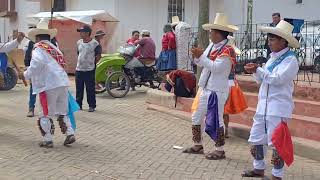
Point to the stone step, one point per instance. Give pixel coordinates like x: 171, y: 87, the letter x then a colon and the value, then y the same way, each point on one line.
x: 302, y: 125
x: 302, y: 107
x: 301, y: 91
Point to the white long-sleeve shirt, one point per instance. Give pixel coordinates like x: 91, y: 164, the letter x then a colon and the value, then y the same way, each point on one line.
x: 220, y: 70
x: 45, y: 73
x: 280, y: 82
x: 7, y: 47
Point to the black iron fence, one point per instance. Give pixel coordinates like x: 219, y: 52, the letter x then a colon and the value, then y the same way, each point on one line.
x: 253, y: 47
x: 252, y: 44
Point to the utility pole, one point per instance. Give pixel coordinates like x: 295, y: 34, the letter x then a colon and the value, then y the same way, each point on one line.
x: 203, y: 36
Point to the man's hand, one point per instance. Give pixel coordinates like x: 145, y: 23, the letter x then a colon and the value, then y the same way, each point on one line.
x: 197, y: 52
x: 251, y: 67
x: 20, y: 37
x: 21, y: 76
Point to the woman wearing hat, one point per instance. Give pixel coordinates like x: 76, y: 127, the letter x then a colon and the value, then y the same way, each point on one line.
x: 167, y: 59
x: 217, y: 61
x: 275, y: 103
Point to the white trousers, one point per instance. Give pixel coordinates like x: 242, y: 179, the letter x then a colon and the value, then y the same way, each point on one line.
x: 57, y: 105
x: 46, y: 127
x: 198, y: 117
x: 259, y: 136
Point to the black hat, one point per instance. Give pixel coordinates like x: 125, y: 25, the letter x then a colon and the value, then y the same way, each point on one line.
x: 85, y: 28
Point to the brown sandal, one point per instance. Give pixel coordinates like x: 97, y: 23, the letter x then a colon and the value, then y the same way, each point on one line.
x: 252, y: 173
x: 192, y: 150
x: 216, y: 155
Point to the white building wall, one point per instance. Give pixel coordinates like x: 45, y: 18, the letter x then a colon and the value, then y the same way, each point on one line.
x: 139, y: 15
x: 308, y: 10
x: 132, y: 15
x: 152, y: 14
x: 24, y: 9
x: 82, y: 5
x: 191, y: 11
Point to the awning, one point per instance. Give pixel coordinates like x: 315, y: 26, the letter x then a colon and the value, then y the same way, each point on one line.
x: 85, y: 17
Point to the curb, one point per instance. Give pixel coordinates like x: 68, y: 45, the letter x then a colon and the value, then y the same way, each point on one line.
x: 302, y: 147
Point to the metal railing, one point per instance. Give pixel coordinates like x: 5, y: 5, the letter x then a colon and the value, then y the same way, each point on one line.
x: 253, y: 48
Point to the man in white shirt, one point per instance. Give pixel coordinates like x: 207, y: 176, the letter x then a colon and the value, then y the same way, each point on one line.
x: 89, y: 54
x: 275, y: 102
x: 9, y: 46
x: 217, y: 61
x: 50, y: 82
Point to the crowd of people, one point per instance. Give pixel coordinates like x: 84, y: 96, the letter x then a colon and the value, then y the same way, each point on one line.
x: 216, y: 97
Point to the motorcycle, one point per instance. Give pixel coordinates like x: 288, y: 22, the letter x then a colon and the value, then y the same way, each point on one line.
x: 118, y: 79
x: 8, y: 76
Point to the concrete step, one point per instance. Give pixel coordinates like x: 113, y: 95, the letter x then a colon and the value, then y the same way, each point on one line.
x: 302, y: 147
x: 302, y: 107
x: 302, y: 124
x: 301, y: 91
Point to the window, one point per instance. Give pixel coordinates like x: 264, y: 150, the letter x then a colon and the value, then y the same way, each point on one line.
x: 299, y: 2
x: 7, y: 8
x: 176, y: 8
x: 59, y: 5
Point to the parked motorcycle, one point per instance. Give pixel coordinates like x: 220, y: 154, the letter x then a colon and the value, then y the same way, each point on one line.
x: 118, y: 79
x: 9, y: 76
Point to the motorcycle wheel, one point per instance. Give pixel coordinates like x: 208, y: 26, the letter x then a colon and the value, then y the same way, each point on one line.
x: 10, y: 79
x: 117, y: 84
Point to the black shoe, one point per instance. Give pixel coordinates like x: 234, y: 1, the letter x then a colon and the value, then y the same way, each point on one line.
x: 31, y: 112
x: 46, y: 144
x: 91, y: 109
x: 69, y: 140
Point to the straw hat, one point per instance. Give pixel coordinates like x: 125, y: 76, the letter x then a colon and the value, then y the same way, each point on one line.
x: 175, y: 20
x: 145, y: 32
x: 284, y: 30
x: 99, y: 33
x: 232, y: 43
x: 220, y: 23
x: 42, y: 28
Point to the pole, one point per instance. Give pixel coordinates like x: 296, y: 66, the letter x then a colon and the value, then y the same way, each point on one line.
x: 249, y: 23
x: 52, y: 2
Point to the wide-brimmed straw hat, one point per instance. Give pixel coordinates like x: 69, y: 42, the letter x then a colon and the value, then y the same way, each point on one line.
x: 220, y: 23
x: 232, y: 43
x: 283, y: 30
x: 175, y: 20
x: 42, y: 28
x: 99, y: 33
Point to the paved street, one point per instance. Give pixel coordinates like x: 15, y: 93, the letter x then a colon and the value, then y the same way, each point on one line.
x: 121, y: 140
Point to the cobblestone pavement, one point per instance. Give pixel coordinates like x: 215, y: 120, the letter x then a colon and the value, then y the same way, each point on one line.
x: 121, y: 140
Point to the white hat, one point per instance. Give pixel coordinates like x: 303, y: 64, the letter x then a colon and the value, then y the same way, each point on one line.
x: 175, y: 20
x: 220, y: 23
x: 42, y: 28
x: 232, y: 43
x: 284, y: 30
x: 145, y: 32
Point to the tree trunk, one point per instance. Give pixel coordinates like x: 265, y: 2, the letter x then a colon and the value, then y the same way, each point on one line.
x: 203, y: 36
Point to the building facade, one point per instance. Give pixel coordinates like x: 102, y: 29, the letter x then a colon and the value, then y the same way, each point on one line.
x: 152, y: 14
